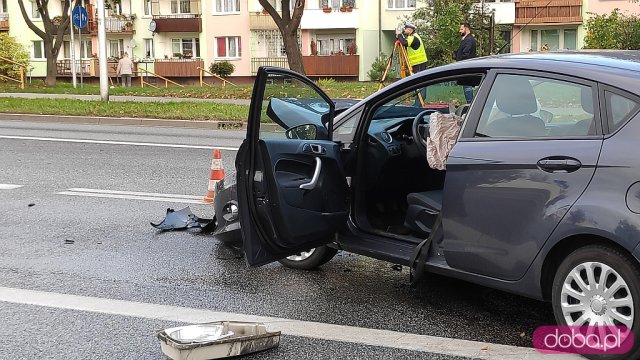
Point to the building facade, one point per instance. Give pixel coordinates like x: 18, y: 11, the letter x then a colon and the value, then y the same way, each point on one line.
x: 338, y: 38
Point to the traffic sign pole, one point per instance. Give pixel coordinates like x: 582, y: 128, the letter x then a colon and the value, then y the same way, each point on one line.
x: 73, y: 51
x: 79, y: 19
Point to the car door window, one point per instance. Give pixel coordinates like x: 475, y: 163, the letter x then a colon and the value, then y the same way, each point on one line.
x: 291, y: 104
x: 530, y: 106
x: 619, y: 109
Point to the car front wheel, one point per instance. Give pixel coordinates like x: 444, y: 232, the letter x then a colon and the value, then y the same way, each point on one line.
x: 310, y: 259
x: 598, y: 286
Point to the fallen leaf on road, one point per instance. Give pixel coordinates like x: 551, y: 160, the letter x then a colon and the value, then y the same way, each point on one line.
x: 522, y: 334
x: 396, y: 267
x: 485, y: 348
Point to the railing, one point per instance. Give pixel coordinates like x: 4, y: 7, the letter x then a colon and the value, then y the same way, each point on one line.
x: 335, y: 65
x: 271, y: 61
x: 166, y: 81
x: 21, y: 68
x: 63, y: 67
x: 123, y: 24
x: 178, y: 67
x: 548, y: 12
x: 178, y: 23
x: 4, y: 21
x: 202, y: 82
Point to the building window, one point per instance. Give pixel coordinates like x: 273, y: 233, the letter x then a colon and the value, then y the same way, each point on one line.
x: 4, y: 6
x: 336, y: 4
x: 148, y: 49
x: 86, y: 49
x: 267, y: 43
x: 185, y: 48
x: 553, y: 39
x: 116, y: 48
x: 147, y: 7
x: 181, y: 6
x: 228, y: 47
x: 227, y: 6
x: 401, y: 4
x: 334, y: 44
x: 35, y: 14
x: 38, y: 49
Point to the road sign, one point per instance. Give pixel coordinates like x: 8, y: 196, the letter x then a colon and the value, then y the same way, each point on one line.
x: 79, y: 17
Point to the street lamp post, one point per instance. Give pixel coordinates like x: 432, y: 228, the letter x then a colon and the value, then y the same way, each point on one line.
x: 102, y: 52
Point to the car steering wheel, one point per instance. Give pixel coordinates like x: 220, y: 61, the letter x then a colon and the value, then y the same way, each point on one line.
x: 420, y: 130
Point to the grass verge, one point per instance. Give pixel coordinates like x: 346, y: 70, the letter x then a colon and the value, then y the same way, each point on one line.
x: 156, y: 110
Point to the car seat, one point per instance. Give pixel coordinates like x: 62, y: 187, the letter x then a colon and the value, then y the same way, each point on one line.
x: 585, y: 126
x: 515, y: 97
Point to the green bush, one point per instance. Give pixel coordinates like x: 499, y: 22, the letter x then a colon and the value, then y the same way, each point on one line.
x: 613, y: 31
x: 11, y: 49
x: 222, y: 68
x: 378, y: 67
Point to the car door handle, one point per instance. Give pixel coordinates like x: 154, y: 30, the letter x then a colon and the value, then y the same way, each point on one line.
x: 314, y: 179
x: 559, y: 165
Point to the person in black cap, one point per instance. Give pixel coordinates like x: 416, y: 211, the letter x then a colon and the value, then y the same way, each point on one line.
x: 415, y: 47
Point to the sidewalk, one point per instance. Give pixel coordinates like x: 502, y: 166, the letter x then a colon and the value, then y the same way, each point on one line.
x: 97, y: 120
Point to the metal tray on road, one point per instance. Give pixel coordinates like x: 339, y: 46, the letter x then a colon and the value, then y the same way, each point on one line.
x: 216, y: 340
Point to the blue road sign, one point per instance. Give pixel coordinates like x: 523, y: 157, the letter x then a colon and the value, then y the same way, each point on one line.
x: 79, y: 17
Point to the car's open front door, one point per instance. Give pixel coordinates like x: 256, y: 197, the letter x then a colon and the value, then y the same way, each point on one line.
x: 291, y: 189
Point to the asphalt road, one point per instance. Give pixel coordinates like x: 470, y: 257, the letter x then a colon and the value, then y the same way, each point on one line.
x: 104, y: 247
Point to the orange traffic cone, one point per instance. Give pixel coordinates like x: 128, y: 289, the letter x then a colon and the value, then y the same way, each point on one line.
x: 216, y: 178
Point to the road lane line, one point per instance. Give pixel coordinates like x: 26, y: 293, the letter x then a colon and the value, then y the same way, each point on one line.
x: 108, y: 142
x: 331, y: 332
x: 135, y: 197
x: 101, y: 191
x: 9, y: 186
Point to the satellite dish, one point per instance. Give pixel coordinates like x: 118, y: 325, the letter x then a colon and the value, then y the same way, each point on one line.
x: 152, y: 26
x: 132, y: 43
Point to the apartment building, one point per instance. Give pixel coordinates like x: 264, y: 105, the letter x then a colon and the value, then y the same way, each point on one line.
x: 338, y: 38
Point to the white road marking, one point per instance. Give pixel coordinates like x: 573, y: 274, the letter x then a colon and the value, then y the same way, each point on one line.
x: 133, y: 195
x: 9, y: 186
x: 342, y: 333
x: 108, y: 142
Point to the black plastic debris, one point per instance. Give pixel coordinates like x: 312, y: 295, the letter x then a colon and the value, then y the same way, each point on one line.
x: 31, y: 204
x: 184, y: 219
x: 69, y: 241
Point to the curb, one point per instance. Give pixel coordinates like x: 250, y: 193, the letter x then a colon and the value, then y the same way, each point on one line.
x: 95, y: 120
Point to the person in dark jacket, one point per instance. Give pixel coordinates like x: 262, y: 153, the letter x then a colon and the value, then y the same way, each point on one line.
x: 467, y: 50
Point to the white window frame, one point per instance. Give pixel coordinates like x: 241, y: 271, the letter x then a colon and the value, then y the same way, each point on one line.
x: 85, y: 52
x: 335, y: 42
x: 334, y: 4
x: 147, y: 8
x: 194, y: 55
x: 121, y: 49
x: 3, y: 6
x: 222, y: 9
x: 561, y: 36
x: 391, y: 5
x: 148, y: 47
x: 179, y: 8
x: 35, y: 14
x: 236, y: 39
x: 33, y: 51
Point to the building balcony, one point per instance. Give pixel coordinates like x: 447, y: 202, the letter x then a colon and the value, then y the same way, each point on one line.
x: 178, y: 23
x: 544, y: 12
x: 178, y: 67
x: 123, y: 24
x: 256, y: 62
x: 261, y: 21
x: 334, y: 65
x: 4, y: 22
x: 333, y: 19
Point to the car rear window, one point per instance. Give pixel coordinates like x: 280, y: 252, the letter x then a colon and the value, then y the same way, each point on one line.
x: 619, y: 109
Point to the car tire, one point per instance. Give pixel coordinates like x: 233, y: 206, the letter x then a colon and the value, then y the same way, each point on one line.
x: 599, y: 259
x: 311, y: 259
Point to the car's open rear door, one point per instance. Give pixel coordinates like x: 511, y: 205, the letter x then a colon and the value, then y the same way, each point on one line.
x: 292, y: 192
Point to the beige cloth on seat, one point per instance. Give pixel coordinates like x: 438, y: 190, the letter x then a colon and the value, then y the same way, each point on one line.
x: 443, y: 134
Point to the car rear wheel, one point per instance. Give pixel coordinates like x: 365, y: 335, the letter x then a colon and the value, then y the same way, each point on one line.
x: 598, y: 285
x: 310, y: 259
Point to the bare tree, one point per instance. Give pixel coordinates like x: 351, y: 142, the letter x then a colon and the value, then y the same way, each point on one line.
x: 288, y: 24
x: 53, y: 33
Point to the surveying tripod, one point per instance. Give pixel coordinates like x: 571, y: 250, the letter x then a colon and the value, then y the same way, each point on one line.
x: 403, y: 59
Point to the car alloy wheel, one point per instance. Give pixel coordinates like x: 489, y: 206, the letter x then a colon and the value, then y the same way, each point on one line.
x: 310, y: 259
x: 303, y: 255
x: 598, y: 285
x: 595, y: 294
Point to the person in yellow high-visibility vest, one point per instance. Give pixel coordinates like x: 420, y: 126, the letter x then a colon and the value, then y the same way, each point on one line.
x: 415, y: 47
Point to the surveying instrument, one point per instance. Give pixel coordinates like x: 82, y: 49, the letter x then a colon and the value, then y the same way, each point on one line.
x: 405, y: 66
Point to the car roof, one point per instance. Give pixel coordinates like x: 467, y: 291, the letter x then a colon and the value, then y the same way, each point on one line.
x: 618, y: 59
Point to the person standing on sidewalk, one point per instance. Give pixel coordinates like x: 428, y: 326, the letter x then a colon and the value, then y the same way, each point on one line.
x: 466, y: 50
x: 125, y: 70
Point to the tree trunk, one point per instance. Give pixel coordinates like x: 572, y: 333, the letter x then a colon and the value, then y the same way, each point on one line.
x: 294, y: 55
x: 52, y: 57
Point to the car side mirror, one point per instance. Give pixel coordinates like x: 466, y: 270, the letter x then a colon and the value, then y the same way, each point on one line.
x: 303, y: 132
x: 546, y: 116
